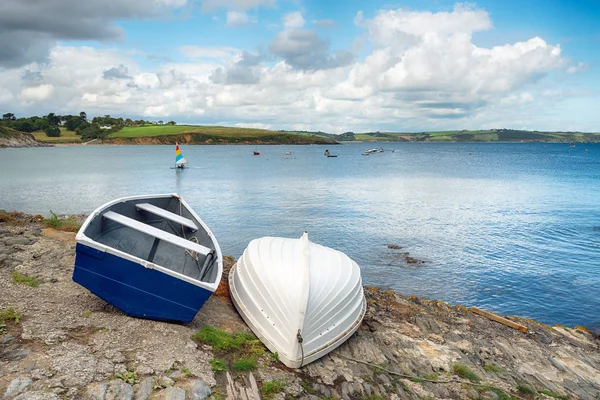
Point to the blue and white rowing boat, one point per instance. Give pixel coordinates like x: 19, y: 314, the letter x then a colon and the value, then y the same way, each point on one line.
x: 149, y: 256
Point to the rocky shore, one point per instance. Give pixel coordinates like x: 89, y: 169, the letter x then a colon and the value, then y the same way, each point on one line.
x: 58, y: 341
x: 11, y: 138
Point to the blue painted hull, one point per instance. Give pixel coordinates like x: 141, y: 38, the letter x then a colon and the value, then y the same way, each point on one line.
x: 136, y: 290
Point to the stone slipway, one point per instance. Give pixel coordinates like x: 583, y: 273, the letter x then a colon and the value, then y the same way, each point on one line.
x: 71, y: 345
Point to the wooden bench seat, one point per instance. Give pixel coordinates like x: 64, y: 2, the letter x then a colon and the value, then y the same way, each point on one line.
x: 155, y: 232
x: 167, y: 215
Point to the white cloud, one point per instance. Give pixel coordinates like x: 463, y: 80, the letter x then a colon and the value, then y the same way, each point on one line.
x: 517, y: 99
x: 238, y: 18
x: 574, y: 69
x: 293, y: 20
x: 27, y: 35
x: 172, y: 3
x: 255, y: 125
x: 239, y: 5
x: 36, y: 93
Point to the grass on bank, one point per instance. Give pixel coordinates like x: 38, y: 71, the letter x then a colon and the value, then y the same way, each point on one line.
x: 161, y: 130
x: 234, y: 351
x: 489, y: 367
x: 10, y: 314
x: 464, y: 372
x: 65, y: 137
x: 524, y: 389
x: 70, y: 224
x: 500, y: 394
x: 555, y: 395
x: 269, y: 388
x: 22, y: 279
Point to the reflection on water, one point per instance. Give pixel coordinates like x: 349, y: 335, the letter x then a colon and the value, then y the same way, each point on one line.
x: 508, y: 227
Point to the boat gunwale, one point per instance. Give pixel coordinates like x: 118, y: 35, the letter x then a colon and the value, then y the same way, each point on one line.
x: 83, y: 239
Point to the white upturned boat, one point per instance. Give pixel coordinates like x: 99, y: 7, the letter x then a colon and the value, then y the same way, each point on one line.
x: 301, y: 299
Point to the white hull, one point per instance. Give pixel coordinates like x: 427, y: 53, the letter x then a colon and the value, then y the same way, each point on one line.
x: 283, y: 288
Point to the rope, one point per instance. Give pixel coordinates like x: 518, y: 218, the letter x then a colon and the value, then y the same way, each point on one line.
x: 300, y: 340
x: 413, y: 377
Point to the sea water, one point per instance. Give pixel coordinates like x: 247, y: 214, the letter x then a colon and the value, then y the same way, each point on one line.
x: 513, y: 228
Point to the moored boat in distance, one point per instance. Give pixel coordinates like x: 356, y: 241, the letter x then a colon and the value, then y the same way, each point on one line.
x: 149, y: 256
x: 256, y: 153
x: 301, y: 299
x: 371, y: 151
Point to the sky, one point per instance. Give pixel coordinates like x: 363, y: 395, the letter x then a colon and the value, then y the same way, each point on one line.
x: 332, y: 66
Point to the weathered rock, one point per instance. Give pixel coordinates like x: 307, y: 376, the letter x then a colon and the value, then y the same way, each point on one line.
x: 144, y: 389
x: 17, y: 240
x: 39, y: 395
x: 97, y: 391
x: 174, y: 393
x: 17, y: 386
x: 119, y: 390
x: 200, y: 390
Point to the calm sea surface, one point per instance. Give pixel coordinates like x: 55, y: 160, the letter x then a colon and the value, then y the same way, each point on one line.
x: 512, y: 228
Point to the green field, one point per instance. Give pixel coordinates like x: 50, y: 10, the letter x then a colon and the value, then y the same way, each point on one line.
x: 151, y: 130
x: 162, y: 130
x: 65, y: 137
x: 489, y: 135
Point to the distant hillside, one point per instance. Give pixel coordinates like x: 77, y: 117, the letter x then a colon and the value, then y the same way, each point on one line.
x: 12, y: 138
x: 189, y: 134
x: 491, y: 135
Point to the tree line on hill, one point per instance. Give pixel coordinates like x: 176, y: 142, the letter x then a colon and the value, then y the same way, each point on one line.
x: 97, y: 127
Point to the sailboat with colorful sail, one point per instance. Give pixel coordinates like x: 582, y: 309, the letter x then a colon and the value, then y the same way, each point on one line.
x: 180, y: 161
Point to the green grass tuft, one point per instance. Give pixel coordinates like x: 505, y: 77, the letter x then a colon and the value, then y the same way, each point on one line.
x: 489, y: 367
x: 307, y: 387
x: 275, y: 356
x: 218, y: 365
x: 70, y: 224
x: 432, y: 377
x: 464, y: 372
x: 271, y: 387
x: 501, y: 395
x: 10, y: 314
x: 555, y: 395
x: 127, y: 377
x: 221, y: 340
x: 22, y: 279
x: 53, y: 221
x: 244, y: 364
x: 524, y: 389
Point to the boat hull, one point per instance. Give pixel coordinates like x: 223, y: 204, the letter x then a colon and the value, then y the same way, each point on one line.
x: 246, y: 311
x: 150, y: 256
x: 136, y: 290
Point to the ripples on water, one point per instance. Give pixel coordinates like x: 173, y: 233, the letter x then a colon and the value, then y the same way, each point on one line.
x: 512, y: 228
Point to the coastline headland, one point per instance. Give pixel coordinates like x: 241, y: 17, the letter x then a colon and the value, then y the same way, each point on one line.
x: 206, y: 135
x: 58, y: 341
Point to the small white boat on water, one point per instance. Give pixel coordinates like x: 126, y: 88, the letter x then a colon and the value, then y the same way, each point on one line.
x: 301, y: 299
